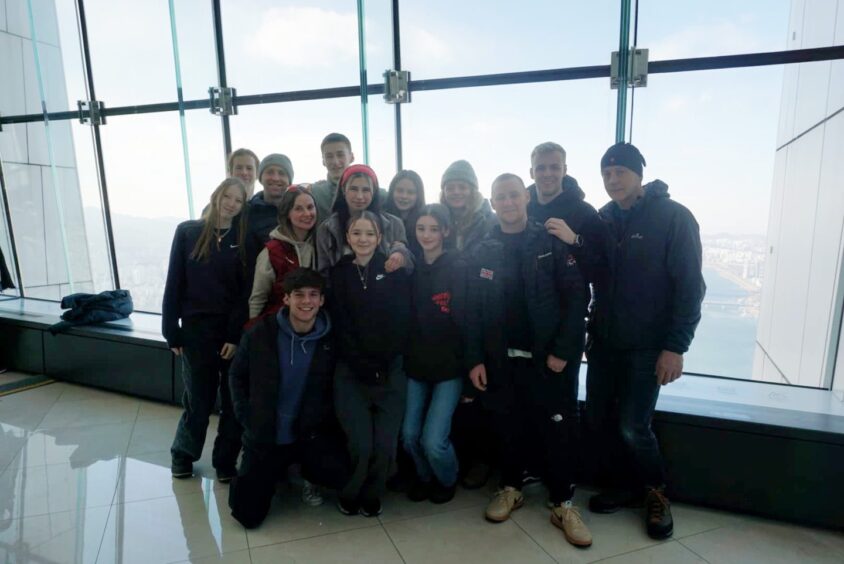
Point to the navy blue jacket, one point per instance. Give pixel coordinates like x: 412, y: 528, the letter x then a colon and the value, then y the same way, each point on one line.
x: 216, y: 286
x: 557, y: 297
x: 646, y: 275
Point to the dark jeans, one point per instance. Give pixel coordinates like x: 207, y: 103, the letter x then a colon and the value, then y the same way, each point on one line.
x: 543, y: 412
x: 621, y: 394
x: 371, y: 417
x: 204, y: 371
x: 323, y: 459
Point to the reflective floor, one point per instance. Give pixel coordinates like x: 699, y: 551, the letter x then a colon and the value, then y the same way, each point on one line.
x: 84, y: 477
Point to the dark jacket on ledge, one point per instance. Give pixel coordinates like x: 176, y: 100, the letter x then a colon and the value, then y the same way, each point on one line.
x: 647, y: 277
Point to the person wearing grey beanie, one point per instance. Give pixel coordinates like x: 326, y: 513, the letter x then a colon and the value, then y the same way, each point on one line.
x: 471, y: 214
x: 275, y: 173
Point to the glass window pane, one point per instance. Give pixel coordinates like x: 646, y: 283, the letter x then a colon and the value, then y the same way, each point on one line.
x: 284, y: 45
x: 444, y: 38
x: 722, y: 172
x: 146, y: 46
x: 678, y: 30
x: 146, y: 181
x: 296, y: 129
x: 496, y: 135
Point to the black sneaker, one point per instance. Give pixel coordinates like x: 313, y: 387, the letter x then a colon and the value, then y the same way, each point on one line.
x: 658, y: 520
x: 181, y: 469
x: 441, y: 493
x: 347, y: 507
x: 371, y: 508
x: 418, y: 490
x: 612, y: 500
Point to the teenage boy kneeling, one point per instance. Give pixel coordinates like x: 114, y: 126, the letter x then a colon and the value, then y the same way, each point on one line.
x: 281, y: 386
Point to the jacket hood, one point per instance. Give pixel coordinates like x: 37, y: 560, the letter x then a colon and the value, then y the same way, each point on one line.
x: 442, y: 262
x: 258, y: 200
x: 277, y: 234
x: 571, y: 191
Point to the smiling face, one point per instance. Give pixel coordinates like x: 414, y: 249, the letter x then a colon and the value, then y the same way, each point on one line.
x: 622, y: 184
x: 363, y: 237
x: 510, y: 200
x: 429, y: 234
x: 547, y: 170
x: 358, y: 193
x: 336, y: 157
x: 405, y: 194
x: 304, y: 304
x: 244, y: 167
x: 230, y: 203
x: 275, y: 181
x: 303, y: 215
x: 457, y: 194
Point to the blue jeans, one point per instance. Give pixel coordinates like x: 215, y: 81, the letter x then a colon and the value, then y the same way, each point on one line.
x: 427, y: 426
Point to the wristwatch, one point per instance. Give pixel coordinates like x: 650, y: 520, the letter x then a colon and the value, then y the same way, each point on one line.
x: 578, y: 241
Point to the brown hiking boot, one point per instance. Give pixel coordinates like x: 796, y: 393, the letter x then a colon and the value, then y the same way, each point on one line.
x: 658, y: 520
x: 567, y: 517
x: 506, y: 500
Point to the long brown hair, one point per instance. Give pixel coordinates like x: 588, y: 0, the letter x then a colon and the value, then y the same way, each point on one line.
x: 286, y: 205
x: 202, y: 250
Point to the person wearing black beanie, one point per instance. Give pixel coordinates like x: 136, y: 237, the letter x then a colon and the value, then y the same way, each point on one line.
x: 647, y: 293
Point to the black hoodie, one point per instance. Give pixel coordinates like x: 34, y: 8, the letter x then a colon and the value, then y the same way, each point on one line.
x: 569, y: 205
x: 649, y: 290
x: 438, y: 329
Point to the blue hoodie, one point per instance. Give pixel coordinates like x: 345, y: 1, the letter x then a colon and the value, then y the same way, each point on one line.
x: 295, y: 353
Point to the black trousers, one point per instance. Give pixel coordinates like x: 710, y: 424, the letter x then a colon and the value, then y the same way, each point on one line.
x: 543, y: 413
x: 204, y: 372
x: 324, y: 462
x: 621, y: 394
x: 470, y: 435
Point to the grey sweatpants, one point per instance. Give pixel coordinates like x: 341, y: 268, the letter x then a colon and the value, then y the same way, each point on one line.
x: 371, y: 417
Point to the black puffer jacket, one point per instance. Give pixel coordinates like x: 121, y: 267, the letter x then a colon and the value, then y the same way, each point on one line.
x: 647, y: 277
x: 254, y: 378
x: 556, y: 294
x: 439, y: 320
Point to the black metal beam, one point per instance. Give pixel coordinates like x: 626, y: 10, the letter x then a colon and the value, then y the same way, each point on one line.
x: 222, y: 79
x: 397, y: 66
x: 98, y: 145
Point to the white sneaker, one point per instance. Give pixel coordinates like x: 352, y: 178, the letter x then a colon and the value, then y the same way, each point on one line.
x: 312, y: 494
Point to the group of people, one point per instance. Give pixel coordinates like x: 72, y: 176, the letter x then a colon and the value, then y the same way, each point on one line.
x: 340, y: 324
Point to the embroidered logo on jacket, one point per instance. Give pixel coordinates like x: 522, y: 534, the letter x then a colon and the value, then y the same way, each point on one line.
x: 487, y: 273
x: 637, y: 236
x: 379, y: 277
x: 570, y: 260
x: 443, y: 300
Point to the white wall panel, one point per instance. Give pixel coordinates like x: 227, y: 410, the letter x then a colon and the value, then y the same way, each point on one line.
x: 23, y: 186
x: 794, y: 253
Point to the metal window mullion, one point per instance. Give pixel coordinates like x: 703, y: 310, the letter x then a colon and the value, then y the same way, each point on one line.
x: 397, y: 66
x: 222, y: 79
x: 623, y: 70
x: 98, y: 145
x: 364, y: 91
x: 13, y: 245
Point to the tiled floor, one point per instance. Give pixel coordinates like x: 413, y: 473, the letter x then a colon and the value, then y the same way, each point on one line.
x: 84, y: 477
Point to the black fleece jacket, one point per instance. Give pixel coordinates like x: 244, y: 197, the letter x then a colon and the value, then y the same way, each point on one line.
x: 648, y: 284
x: 216, y: 286
x: 371, y: 324
x: 439, y: 320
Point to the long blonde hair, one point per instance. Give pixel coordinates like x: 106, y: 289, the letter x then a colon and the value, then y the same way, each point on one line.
x: 211, y: 215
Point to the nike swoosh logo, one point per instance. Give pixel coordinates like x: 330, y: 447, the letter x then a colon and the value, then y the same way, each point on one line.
x: 233, y: 246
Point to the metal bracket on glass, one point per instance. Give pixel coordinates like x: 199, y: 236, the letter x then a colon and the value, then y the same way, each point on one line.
x: 91, y: 112
x: 222, y: 101
x: 396, y: 86
x: 637, y: 69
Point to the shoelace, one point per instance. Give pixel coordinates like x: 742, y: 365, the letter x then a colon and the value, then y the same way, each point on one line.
x: 657, y: 503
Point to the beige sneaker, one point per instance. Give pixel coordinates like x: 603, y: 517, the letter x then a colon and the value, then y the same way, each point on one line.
x: 506, y: 500
x: 567, y: 517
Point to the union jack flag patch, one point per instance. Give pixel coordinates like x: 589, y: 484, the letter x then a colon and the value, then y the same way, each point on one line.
x: 487, y: 273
